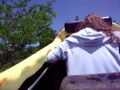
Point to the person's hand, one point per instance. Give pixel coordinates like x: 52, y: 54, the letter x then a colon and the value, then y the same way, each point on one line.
x: 62, y: 35
x: 59, y: 38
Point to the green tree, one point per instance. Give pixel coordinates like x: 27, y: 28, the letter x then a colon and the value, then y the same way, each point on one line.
x: 22, y: 27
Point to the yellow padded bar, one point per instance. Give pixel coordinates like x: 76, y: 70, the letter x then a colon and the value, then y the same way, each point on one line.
x: 12, y: 78
x: 116, y: 26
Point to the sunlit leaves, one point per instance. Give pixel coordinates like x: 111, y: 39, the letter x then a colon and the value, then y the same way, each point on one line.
x: 23, y: 25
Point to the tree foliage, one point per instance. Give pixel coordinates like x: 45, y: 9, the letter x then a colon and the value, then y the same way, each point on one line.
x: 22, y: 27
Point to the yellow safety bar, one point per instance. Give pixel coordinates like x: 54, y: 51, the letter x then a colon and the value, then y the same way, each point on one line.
x: 12, y: 78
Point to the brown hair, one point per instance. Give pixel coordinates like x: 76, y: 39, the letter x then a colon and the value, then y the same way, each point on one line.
x: 99, y: 24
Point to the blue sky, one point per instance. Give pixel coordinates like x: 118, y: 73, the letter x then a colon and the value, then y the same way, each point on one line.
x: 66, y: 10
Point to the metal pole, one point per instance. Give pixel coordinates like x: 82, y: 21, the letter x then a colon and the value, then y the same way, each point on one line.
x: 33, y: 85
